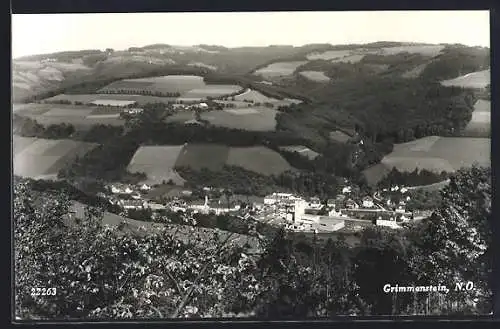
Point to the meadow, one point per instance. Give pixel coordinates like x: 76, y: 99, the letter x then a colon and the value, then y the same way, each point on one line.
x: 435, y: 154
x: 157, y: 162
x: 316, y: 76
x: 249, y: 118
x: 480, y: 124
x: 258, y: 159
x: 43, y: 158
x: 188, y: 86
x: 279, y: 69
x: 198, y: 156
x: 89, y: 98
x: 257, y: 97
x: 245, y: 118
x: 80, y: 116
x: 479, y: 79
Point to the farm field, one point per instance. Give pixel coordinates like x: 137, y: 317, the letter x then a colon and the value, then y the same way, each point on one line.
x: 250, y: 118
x: 279, y: 69
x: 188, y: 86
x: 355, y: 55
x: 198, y: 156
x: 211, y: 91
x: 302, y: 150
x: 434, y: 153
x: 157, y: 162
x: 480, y: 124
x: 329, y: 54
x: 88, y: 98
x: 424, y: 50
x: 317, y: 76
x: 258, y: 97
x: 80, y: 116
x: 258, y: 159
x: 479, y: 79
x: 43, y: 158
x: 244, y: 118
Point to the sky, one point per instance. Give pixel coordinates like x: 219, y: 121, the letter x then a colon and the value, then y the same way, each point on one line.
x: 47, y: 33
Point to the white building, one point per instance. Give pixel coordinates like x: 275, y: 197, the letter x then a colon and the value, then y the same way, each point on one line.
x: 368, y: 202
x: 299, y: 209
x: 387, y: 223
x: 145, y: 187
x: 346, y: 189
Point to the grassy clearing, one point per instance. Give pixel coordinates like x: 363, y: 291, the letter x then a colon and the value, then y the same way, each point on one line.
x: 435, y: 154
x: 167, y: 83
x: 157, y: 162
x: 36, y: 157
x: 258, y: 159
x: 479, y: 79
x: 253, y: 119
x: 353, y: 58
x: 279, y: 69
x: 211, y: 91
x: 88, y: 98
x: 198, y: 156
x: 424, y: 50
x: 330, y: 54
x: 316, y: 76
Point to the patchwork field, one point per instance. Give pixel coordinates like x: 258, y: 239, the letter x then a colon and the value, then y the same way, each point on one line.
x: 81, y: 116
x: 157, y: 162
x: 244, y: 118
x: 167, y: 83
x: 480, y: 124
x: 188, y: 86
x: 89, y: 98
x: 253, y: 118
x: 424, y: 50
x: 43, y: 158
x: 198, y: 156
x: 279, y: 69
x: 329, y: 55
x: 258, y: 97
x: 434, y: 154
x: 317, y: 76
x: 478, y: 79
x: 355, y: 55
x: 211, y: 91
x: 258, y: 159
x: 302, y: 150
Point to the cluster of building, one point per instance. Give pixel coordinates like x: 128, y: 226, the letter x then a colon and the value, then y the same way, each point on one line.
x: 384, y: 208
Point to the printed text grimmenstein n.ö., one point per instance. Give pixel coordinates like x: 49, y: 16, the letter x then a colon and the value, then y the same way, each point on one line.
x: 430, y: 288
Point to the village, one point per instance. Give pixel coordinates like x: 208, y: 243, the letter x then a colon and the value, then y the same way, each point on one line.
x: 349, y: 211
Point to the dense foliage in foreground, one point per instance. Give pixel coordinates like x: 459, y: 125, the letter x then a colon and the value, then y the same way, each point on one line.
x: 103, y: 272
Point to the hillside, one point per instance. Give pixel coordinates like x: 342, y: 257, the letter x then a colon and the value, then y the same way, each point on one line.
x: 349, y: 103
